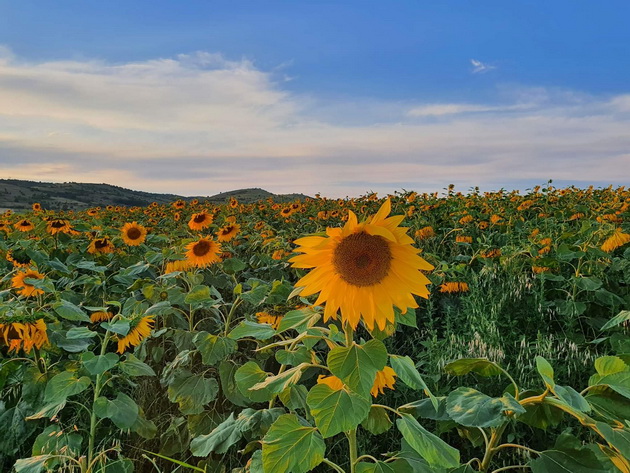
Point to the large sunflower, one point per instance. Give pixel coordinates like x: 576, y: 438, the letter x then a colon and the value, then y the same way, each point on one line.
x: 200, y: 220
x: 23, y: 288
x: 203, y: 252
x: 58, y: 225
x: 24, y: 225
x: 364, y: 269
x: 133, y: 234
x: 101, y: 245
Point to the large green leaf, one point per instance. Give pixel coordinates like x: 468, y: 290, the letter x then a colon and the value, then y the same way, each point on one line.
x: 336, y: 411
x: 377, y: 421
x: 123, y: 411
x: 300, y: 320
x: 357, y: 365
x: 574, y: 461
x: 546, y: 372
x: 471, y: 408
x: 430, y: 447
x: 619, y: 382
x: 213, y: 348
x: 249, y: 329
x: 407, y: 372
x: 227, y: 370
x: 275, y: 384
x: 64, y: 385
x: 606, y: 365
x: 249, y: 375
x: 610, y: 404
x: 290, y: 447
x: 132, y: 366
x: 192, y: 391
x: 618, y: 319
x: 480, y: 366
x: 226, y: 434
x: 69, y: 311
x: 98, y: 364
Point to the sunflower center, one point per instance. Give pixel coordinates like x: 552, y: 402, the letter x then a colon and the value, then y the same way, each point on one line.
x: 201, y: 248
x: 362, y: 259
x: 58, y: 224
x: 200, y: 218
x: 134, y: 233
x: 102, y: 243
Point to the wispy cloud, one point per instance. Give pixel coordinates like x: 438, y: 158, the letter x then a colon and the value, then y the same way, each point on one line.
x: 480, y: 67
x: 200, y: 123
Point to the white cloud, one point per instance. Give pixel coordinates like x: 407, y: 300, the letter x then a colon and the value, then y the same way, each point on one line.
x: 200, y: 123
x: 480, y: 67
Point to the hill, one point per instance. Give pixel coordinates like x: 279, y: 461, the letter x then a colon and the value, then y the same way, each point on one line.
x: 19, y: 195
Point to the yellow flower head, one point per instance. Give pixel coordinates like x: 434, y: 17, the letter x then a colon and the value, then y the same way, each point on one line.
x: 332, y: 382
x: 617, y: 240
x: 141, y: 329
x: 267, y: 318
x: 133, y: 234
x: 384, y: 379
x: 23, y: 335
x: 203, y: 252
x: 23, y: 288
x: 363, y: 269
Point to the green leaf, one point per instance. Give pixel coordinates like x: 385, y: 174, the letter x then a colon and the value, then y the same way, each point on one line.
x: 377, y: 421
x: 32, y: 464
x: 556, y: 461
x: 425, y: 409
x: 397, y: 466
x: 121, y: 327
x: 54, y: 440
x: 471, y: 408
x: 300, y: 320
x: 546, y: 372
x: 227, y: 370
x: 480, y: 366
x: 80, y: 332
x: 610, y: 404
x: 198, y: 294
x: 275, y: 384
x: 213, y: 348
x: 541, y: 416
x: 64, y: 385
x: 619, y: 382
x: 69, y: 311
x: 407, y: 372
x: 132, y: 366
x: 430, y: 447
x: 256, y: 295
x: 100, y: 363
x: 233, y: 265
x: 571, y: 397
x: 249, y: 375
x: 143, y: 427
x: 618, y: 319
x: 248, y: 329
x: 192, y: 392
x: 618, y: 438
x: 609, y: 365
x: 123, y: 411
x: 295, y: 357
x: 357, y: 365
x: 336, y: 411
x: 588, y: 283
x: 290, y: 447
x: 224, y: 435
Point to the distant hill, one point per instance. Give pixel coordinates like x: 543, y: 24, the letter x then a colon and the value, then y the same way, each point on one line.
x: 19, y: 195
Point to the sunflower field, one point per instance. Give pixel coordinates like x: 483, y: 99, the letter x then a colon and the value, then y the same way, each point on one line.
x: 419, y: 333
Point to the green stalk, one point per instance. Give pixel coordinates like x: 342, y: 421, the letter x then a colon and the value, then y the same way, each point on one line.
x: 352, y: 445
x: 97, y: 392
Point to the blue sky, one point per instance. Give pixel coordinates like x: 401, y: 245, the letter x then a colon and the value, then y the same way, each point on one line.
x: 332, y: 97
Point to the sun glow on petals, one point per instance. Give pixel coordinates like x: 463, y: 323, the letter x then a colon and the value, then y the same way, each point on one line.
x: 363, y: 269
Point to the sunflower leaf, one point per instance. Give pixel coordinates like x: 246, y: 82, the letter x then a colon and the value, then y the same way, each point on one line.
x: 357, y: 365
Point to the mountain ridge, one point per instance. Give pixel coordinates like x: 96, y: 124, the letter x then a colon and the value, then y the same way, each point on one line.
x: 19, y: 195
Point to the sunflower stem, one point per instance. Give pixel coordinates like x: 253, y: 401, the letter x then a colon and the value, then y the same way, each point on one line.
x: 352, y: 445
x: 97, y: 392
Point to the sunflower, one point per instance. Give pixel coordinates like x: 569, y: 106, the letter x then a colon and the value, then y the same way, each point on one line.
x: 23, y: 335
x: 228, y: 232
x: 179, y: 204
x: 24, y: 225
x: 37, y: 207
x: 133, y: 234
x: 5, y: 227
x: 23, y: 288
x: 267, y: 318
x: 364, y: 269
x: 617, y: 240
x: 101, y: 245
x: 332, y: 382
x: 19, y: 259
x: 425, y: 233
x: 451, y: 287
x: 140, y: 329
x: 203, y: 252
x: 279, y: 254
x: 58, y: 226
x: 179, y: 265
x: 385, y: 378
x: 100, y: 316
x: 200, y: 220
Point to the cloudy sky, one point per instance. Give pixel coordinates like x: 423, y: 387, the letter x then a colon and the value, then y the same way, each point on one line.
x: 340, y: 97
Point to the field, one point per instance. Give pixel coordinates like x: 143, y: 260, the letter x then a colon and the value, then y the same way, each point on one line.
x: 192, y: 336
